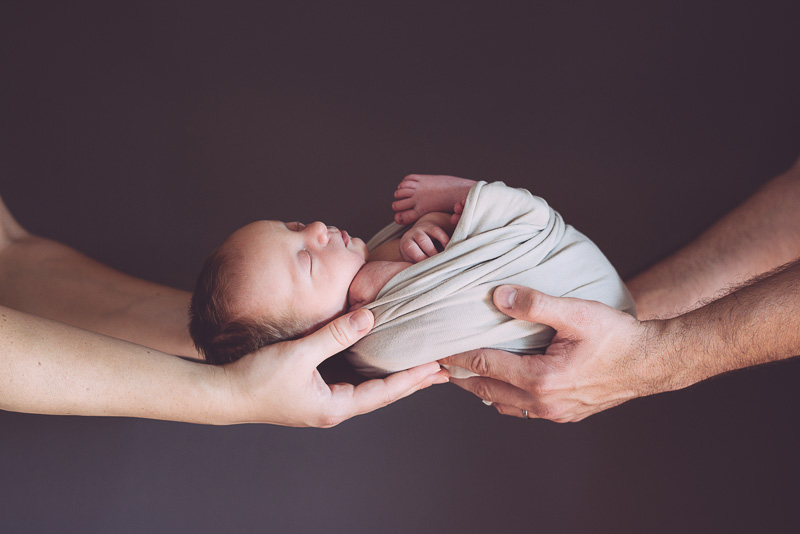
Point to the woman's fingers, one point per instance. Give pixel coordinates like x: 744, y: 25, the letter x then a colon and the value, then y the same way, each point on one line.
x: 334, y: 337
x: 348, y: 401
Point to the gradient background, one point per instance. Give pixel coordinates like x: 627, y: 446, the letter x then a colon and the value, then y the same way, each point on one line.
x: 143, y: 134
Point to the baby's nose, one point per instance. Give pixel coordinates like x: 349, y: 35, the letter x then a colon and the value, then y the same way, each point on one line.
x: 320, y: 232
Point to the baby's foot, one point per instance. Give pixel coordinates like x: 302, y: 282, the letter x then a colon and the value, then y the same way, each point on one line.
x: 419, y: 194
x: 458, y: 210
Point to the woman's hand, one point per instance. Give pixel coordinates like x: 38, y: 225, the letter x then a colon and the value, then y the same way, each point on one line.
x: 280, y: 384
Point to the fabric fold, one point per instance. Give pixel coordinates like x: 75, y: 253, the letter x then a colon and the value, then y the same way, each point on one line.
x: 443, y: 305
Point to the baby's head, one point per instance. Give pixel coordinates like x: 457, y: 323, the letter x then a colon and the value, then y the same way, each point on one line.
x: 271, y: 281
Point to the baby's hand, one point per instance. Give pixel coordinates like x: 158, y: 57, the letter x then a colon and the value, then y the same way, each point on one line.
x: 417, y: 243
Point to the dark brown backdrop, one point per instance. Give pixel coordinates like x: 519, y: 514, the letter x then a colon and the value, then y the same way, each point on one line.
x: 142, y: 135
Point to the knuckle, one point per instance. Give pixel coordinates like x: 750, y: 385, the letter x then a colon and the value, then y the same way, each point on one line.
x: 537, y: 301
x: 585, y: 313
x: 339, y: 333
x: 580, y: 315
x: 502, y: 409
x: 540, y: 387
x: 483, y: 391
x: 332, y: 417
x: 329, y: 421
x: 561, y: 416
x: 546, y: 411
x: 480, y: 363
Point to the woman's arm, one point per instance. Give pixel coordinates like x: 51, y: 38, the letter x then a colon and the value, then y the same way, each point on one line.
x: 52, y: 368
x: 45, y: 278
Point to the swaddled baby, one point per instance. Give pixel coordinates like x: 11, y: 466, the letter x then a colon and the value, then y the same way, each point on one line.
x: 272, y: 281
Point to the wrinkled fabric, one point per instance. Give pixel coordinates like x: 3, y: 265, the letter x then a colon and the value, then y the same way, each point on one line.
x: 443, y: 305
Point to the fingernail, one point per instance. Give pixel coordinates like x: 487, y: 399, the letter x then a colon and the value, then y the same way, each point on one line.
x: 487, y: 403
x: 442, y: 380
x: 360, y: 320
x: 505, y: 295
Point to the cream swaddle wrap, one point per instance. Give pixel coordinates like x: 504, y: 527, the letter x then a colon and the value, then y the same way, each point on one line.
x: 443, y: 305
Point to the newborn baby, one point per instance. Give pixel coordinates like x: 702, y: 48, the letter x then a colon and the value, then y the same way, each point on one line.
x: 272, y: 281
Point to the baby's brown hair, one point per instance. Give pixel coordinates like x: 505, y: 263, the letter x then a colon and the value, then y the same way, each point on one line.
x: 221, y: 334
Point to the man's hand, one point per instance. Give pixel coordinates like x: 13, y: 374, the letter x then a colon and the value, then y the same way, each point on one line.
x: 280, y: 384
x: 597, y: 359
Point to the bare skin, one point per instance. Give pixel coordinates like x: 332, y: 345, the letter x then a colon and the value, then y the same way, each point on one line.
x: 370, y: 279
x: 414, y: 246
x: 600, y: 357
x: 48, y: 366
x: 45, y: 278
x: 419, y: 194
x: 759, y: 235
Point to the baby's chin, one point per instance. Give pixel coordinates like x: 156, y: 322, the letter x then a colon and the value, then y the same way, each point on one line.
x: 360, y: 247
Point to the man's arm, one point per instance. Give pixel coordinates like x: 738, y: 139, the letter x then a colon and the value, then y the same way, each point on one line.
x: 601, y: 357
x: 756, y: 237
x: 48, y: 279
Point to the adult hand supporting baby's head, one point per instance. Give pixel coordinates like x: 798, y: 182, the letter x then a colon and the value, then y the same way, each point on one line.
x: 596, y: 360
x: 280, y: 383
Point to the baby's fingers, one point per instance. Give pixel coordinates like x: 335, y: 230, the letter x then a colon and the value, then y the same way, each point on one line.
x: 410, y: 251
x: 439, y: 235
x: 426, y: 244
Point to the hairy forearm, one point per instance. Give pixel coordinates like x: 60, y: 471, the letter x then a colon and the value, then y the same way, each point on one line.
x: 755, y: 324
x: 759, y: 235
x: 51, y: 368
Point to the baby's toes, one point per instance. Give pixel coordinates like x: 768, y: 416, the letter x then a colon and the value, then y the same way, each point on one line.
x: 404, y: 204
x: 406, y: 217
x: 409, y: 182
x: 404, y: 193
x: 454, y: 218
x: 459, y: 207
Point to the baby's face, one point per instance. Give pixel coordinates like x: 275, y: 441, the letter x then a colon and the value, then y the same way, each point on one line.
x: 304, y: 268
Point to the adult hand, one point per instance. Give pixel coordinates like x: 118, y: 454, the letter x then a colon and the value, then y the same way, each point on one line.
x: 597, y: 359
x: 280, y: 384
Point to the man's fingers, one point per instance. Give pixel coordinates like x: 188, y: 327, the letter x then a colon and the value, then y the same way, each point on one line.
x: 335, y: 336
x: 494, y: 391
x: 537, y: 307
x: 499, y: 364
x: 374, y: 394
x: 513, y: 411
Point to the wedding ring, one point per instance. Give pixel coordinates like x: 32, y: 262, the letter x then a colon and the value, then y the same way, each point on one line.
x: 525, y: 414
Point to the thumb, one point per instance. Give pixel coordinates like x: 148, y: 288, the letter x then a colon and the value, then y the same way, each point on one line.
x: 335, y: 336
x: 534, y: 306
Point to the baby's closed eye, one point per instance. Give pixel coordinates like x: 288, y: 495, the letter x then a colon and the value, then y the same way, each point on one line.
x: 305, y: 260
